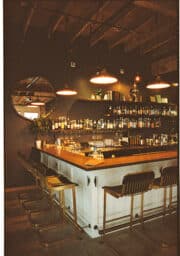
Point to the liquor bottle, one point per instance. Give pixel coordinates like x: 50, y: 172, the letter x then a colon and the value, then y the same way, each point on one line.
x: 110, y: 111
x: 56, y: 125
x: 139, y: 122
x: 94, y: 124
x: 119, y: 112
x: 152, y: 123
x: 53, y: 126
x: 140, y: 110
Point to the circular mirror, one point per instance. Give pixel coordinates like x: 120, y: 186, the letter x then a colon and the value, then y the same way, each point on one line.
x: 33, y: 97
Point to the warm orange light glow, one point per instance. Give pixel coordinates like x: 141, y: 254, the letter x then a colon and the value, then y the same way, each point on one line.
x: 66, y: 92
x: 103, y: 78
x: 32, y: 106
x: 37, y: 103
x: 158, y: 84
x: 175, y: 84
x: 137, y: 78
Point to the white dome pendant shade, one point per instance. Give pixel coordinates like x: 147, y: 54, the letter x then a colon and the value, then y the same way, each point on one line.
x: 157, y: 84
x: 66, y: 91
x: 103, y: 77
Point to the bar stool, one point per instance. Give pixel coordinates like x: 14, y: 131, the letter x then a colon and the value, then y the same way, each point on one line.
x: 43, y: 219
x: 42, y: 201
x: 60, y: 184
x: 169, y: 176
x: 52, y: 234
x: 32, y: 168
x: 132, y: 184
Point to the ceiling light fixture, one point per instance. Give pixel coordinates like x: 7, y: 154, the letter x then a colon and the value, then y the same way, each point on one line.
x: 137, y: 78
x: 69, y: 64
x: 32, y: 106
x: 66, y: 91
x: 103, y: 77
x: 37, y: 103
x: 157, y: 84
x: 175, y: 84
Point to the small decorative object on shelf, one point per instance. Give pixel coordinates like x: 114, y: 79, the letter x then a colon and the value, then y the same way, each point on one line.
x: 134, y: 93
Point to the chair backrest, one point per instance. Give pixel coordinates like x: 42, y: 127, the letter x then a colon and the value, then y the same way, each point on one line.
x: 35, y: 155
x: 169, y: 176
x: 137, y: 183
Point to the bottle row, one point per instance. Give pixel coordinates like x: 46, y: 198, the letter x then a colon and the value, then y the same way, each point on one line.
x: 142, y: 110
x: 100, y: 124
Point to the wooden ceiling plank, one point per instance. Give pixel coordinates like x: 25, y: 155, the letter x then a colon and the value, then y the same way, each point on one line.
x: 146, y: 35
x: 165, y: 65
x: 59, y: 20
x: 29, y: 18
x: 158, y: 6
x: 100, y: 32
x: 91, y: 18
x: 124, y: 36
x: 159, y: 44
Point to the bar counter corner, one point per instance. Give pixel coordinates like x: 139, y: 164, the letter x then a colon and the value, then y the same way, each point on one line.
x: 109, y: 172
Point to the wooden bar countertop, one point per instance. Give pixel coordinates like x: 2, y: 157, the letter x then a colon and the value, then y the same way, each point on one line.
x: 81, y: 161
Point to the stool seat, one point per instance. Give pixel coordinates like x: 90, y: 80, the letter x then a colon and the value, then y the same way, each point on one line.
x: 36, y: 206
x: 46, y: 218
x: 31, y: 196
x: 115, y: 191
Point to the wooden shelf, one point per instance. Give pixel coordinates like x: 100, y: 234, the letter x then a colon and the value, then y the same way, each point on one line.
x: 147, y: 103
x: 101, y: 131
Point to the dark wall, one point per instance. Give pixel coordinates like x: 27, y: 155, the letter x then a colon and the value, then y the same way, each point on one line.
x: 17, y: 138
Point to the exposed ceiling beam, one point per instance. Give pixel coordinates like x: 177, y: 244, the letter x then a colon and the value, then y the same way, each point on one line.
x: 162, y: 7
x: 100, y: 32
x: 153, y: 46
x: 165, y: 65
x: 158, y: 45
x: 58, y: 20
x: 149, y: 33
x: 92, y: 17
x: 166, y: 49
x: 29, y: 18
x: 124, y: 35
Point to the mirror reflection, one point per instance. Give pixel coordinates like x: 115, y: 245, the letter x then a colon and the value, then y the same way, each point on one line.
x: 33, y: 97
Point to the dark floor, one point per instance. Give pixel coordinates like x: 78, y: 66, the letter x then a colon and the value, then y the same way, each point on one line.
x: 156, y: 239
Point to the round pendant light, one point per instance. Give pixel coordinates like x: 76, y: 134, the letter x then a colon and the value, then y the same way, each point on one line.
x: 157, y: 84
x: 32, y: 106
x: 103, y: 77
x: 66, y: 91
x: 37, y: 103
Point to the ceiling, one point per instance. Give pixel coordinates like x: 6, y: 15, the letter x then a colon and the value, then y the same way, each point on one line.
x: 149, y: 27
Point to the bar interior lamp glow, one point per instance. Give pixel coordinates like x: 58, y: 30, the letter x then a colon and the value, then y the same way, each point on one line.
x: 37, y: 103
x: 66, y: 91
x: 158, y: 84
x: 103, y: 77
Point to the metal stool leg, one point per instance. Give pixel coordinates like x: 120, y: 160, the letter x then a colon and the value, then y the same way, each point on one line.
x: 142, y: 208
x: 63, y: 204
x: 131, y: 215
x: 104, y: 214
x: 74, y: 205
x: 164, y: 210
x: 170, y: 199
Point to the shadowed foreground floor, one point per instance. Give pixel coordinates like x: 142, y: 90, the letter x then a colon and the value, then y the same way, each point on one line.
x: 155, y: 239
